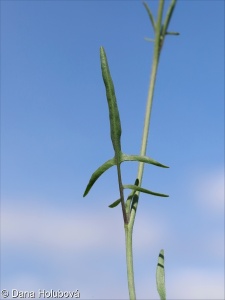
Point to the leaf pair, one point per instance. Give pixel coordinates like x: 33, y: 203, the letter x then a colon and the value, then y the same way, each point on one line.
x: 123, y: 157
x: 162, y: 27
x: 115, y: 130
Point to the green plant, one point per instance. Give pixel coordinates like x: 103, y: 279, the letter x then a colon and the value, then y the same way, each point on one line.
x: 129, y: 207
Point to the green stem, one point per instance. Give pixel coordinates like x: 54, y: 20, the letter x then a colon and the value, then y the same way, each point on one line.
x: 125, y: 216
x: 129, y: 228
x: 158, y: 43
x: 147, y: 119
x: 129, y: 257
x: 156, y: 53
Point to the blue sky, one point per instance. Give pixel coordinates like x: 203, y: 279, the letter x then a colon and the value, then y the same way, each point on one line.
x: 55, y: 133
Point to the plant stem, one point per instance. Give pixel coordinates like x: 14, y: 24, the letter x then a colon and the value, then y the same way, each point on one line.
x: 148, y: 110
x: 129, y: 257
x: 147, y: 119
x: 129, y: 227
x: 158, y: 43
x: 125, y: 216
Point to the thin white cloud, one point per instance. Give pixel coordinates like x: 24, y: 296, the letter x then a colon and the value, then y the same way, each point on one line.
x: 213, y: 243
x: 49, y: 228
x: 45, y: 228
x: 183, y: 284
x: 196, y: 284
x: 210, y: 191
x: 41, y: 230
x: 149, y: 231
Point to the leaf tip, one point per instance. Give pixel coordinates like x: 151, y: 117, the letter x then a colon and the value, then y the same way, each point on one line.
x: 114, y: 204
x: 86, y: 190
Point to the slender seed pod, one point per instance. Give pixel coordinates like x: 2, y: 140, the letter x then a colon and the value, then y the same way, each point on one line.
x: 115, y: 126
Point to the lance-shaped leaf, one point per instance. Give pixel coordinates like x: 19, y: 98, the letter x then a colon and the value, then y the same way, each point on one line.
x: 108, y: 164
x: 114, y: 204
x: 168, y: 17
x: 142, y: 158
x: 172, y: 33
x: 115, y: 126
x: 150, y: 15
x: 139, y: 189
x: 160, y: 276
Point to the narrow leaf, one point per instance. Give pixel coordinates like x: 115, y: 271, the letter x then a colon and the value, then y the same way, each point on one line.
x: 114, y: 204
x: 168, y: 17
x: 160, y: 276
x: 115, y: 126
x: 139, y: 189
x: 108, y: 164
x: 142, y: 158
x: 150, y: 15
x: 172, y: 33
